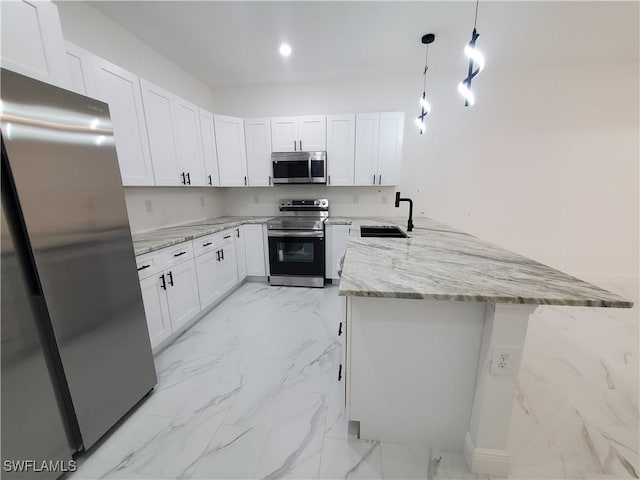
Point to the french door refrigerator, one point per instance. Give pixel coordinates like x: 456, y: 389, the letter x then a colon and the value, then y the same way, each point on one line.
x: 76, y: 355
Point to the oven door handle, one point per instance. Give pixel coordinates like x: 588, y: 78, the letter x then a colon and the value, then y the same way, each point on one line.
x: 296, y: 233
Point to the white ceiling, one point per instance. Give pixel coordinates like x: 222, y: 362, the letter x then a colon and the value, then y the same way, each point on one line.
x: 232, y: 43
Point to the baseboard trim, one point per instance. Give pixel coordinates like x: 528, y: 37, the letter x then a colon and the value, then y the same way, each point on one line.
x: 485, y: 461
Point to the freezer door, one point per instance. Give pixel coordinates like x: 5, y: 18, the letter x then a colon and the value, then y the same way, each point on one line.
x: 32, y: 425
x: 64, y: 169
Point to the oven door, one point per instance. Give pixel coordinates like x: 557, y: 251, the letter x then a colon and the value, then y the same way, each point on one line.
x: 291, y: 171
x: 296, y: 253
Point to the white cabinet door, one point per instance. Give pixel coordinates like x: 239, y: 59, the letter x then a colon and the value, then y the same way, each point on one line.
x: 241, y: 252
x: 189, y: 142
x: 80, y: 66
x: 32, y: 41
x: 341, y: 137
x: 156, y: 309
x: 158, y: 112
x: 284, y: 134
x: 230, y: 145
x: 339, y: 239
x: 182, y: 293
x: 390, y: 147
x: 257, y: 133
x: 312, y: 130
x: 229, y: 266
x: 366, y: 156
x: 210, y: 279
x: 254, y: 247
x: 209, y: 148
x: 121, y: 90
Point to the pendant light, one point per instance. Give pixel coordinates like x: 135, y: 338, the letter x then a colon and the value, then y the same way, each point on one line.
x: 476, y: 64
x: 425, y: 106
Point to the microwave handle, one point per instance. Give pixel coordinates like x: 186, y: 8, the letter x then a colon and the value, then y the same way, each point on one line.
x: 310, y: 175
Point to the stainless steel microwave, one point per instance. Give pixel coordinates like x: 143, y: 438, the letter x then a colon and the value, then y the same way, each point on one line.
x: 299, y: 167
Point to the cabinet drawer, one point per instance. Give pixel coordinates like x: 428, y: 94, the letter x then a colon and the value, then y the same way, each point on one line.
x: 208, y: 243
x: 148, y: 264
x: 177, y: 254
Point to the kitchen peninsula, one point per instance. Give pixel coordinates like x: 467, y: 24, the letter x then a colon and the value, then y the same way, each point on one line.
x: 435, y: 326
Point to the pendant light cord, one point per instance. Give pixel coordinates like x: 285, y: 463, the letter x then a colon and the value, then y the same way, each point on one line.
x: 426, y: 67
x: 476, y: 19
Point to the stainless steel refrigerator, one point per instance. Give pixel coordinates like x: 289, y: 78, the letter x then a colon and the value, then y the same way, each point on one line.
x: 76, y: 355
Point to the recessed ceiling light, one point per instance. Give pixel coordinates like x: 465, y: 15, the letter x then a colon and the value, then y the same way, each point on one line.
x: 285, y: 50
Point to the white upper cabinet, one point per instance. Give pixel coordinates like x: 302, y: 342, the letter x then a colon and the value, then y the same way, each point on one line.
x: 284, y: 134
x: 312, y: 130
x: 158, y: 112
x: 341, y: 136
x: 97, y: 78
x: 390, y: 147
x: 189, y: 142
x: 366, y: 151
x: 32, y: 41
x: 257, y: 133
x: 295, y: 134
x: 209, y: 148
x: 230, y: 145
x: 378, y: 149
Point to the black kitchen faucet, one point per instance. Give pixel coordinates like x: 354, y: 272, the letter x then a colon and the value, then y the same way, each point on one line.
x: 398, y: 200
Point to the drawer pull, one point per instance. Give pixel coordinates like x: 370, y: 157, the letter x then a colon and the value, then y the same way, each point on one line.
x: 178, y: 254
x: 207, y: 244
x: 227, y: 236
x: 340, y: 373
x: 340, y: 329
x: 143, y: 267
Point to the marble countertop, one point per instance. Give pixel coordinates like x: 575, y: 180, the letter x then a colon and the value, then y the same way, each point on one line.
x: 152, y: 240
x: 438, y: 262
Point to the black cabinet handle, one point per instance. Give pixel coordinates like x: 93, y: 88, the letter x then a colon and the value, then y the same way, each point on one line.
x: 227, y: 236
x: 170, y: 279
x: 184, y: 181
x: 245, y: 180
x: 300, y: 145
x: 295, y: 149
x: 340, y: 373
x: 188, y: 178
x: 164, y: 283
x: 217, y: 255
x: 178, y: 254
x: 380, y: 179
x: 222, y: 253
x: 329, y: 183
x: 238, y: 232
x: 374, y: 178
x: 207, y: 244
x: 340, y: 329
x: 143, y: 267
x: 269, y: 179
x: 210, y: 181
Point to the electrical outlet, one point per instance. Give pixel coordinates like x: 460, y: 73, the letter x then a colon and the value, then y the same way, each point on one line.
x: 147, y: 206
x: 503, y: 360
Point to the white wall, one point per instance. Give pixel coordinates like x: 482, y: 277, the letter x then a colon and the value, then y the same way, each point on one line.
x: 151, y: 208
x: 90, y: 29
x: 546, y: 162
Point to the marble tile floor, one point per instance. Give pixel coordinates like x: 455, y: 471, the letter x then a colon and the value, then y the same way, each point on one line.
x: 251, y: 391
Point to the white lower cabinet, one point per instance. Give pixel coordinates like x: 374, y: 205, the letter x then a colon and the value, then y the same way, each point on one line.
x: 255, y: 250
x: 336, y: 245
x: 241, y: 252
x: 182, y: 293
x: 155, y: 309
x: 217, y: 267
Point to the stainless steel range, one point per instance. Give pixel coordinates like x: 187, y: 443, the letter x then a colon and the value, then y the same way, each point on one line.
x: 296, y: 243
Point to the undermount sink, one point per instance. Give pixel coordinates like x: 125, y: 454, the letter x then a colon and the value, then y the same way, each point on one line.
x: 383, y: 232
